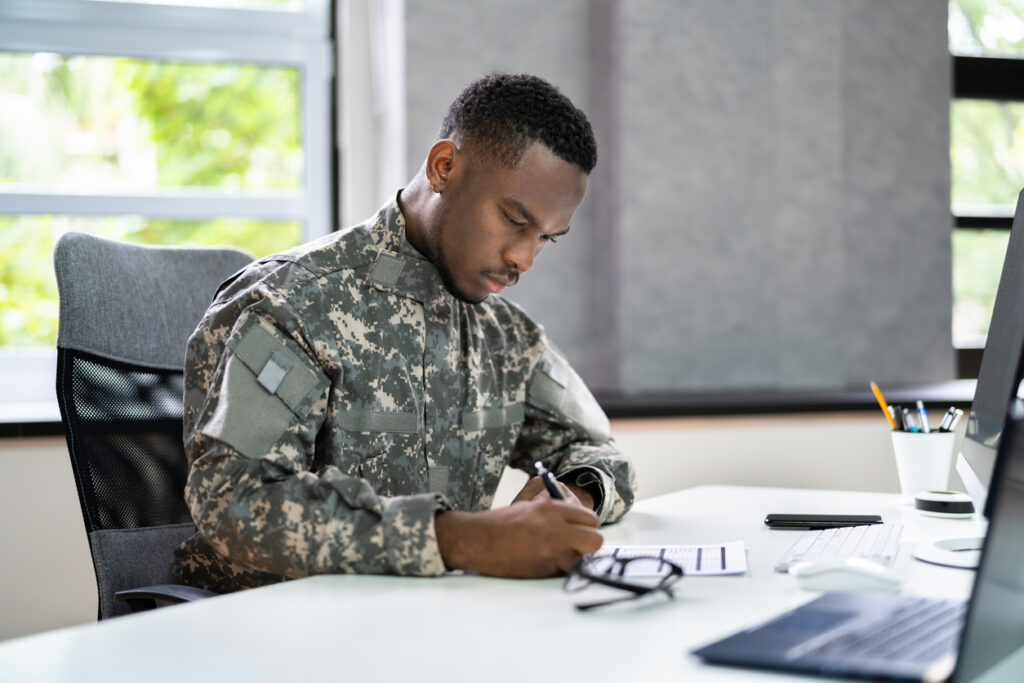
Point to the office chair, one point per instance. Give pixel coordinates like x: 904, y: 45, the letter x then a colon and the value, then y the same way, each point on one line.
x: 126, y: 312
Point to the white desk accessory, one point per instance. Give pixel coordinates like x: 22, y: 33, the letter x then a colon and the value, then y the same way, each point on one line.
x: 845, y: 574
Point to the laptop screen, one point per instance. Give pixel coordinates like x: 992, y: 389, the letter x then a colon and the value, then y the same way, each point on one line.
x: 995, y: 619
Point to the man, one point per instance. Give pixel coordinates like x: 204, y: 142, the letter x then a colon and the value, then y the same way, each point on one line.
x: 351, y: 404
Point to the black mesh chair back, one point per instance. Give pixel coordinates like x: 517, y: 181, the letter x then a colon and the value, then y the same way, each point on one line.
x: 123, y: 426
x: 126, y: 312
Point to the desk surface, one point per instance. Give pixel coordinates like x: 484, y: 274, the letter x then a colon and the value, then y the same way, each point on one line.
x: 472, y: 628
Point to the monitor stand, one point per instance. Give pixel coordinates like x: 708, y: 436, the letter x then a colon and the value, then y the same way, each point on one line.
x: 962, y: 553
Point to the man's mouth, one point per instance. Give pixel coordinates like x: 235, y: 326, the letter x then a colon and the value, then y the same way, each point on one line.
x: 496, y: 282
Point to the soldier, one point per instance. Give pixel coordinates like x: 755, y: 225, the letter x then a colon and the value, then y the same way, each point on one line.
x: 351, y: 404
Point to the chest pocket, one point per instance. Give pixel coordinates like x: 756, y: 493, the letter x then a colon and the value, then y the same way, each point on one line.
x: 387, y: 448
x: 493, y: 433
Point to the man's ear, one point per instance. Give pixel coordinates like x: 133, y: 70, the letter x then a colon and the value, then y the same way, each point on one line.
x: 440, y: 163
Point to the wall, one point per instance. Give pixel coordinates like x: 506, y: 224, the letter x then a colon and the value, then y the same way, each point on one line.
x: 782, y: 207
x: 46, y: 575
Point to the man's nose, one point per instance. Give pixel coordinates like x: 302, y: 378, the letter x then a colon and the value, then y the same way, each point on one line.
x: 521, y: 253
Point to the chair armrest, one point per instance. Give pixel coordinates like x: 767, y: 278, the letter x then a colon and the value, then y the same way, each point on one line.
x: 165, y: 592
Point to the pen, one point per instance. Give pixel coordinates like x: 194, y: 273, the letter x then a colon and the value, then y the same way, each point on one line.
x: 923, y: 414
x: 550, y: 483
x: 956, y: 418
x: 908, y: 421
x: 950, y: 414
x: 883, y: 404
x: 897, y: 419
x: 897, y: 414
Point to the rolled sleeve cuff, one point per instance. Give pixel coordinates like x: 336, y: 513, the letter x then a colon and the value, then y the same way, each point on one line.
x: 595, y: 482
x: 410, y: 539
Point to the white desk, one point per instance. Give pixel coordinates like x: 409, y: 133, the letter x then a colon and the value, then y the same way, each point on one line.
x: 471, y: 628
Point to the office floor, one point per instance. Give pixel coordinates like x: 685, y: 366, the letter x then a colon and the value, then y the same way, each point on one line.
x: 46, y: 578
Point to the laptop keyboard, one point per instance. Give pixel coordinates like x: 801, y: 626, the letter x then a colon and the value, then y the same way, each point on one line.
x: 920, y: 631
x: 876, y: 542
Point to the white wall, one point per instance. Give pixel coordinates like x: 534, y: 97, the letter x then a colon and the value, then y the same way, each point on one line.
x: 46, y: 576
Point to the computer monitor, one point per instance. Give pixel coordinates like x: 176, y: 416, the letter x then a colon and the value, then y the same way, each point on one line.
x: 998, y: 379
x: 1000, y: 372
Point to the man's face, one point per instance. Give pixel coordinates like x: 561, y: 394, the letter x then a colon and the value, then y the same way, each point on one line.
x: 492, y: 221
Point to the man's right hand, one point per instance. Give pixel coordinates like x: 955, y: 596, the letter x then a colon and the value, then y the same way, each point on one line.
x: 532, y: 539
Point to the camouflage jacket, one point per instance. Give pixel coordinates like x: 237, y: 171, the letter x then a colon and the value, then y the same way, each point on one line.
x: 337, y: 397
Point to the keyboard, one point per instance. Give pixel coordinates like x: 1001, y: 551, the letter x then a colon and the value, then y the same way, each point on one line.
x: 921, y: 631
x: 876, y: 542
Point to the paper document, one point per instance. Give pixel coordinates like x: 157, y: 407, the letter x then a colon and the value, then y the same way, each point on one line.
x: 696, y: 560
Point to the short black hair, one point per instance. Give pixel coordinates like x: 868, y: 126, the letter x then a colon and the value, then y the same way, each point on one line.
x: 500, y: 114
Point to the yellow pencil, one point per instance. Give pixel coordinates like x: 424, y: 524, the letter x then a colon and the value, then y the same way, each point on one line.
x: 883, y: 404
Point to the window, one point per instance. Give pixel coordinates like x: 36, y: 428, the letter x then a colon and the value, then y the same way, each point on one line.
x: 192, y: 122
x: 986, y: 39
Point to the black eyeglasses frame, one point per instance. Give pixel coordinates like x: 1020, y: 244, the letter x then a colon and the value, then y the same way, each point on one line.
x: 613, y: 579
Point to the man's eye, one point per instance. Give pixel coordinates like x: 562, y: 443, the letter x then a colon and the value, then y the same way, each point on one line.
x: 512, y: 220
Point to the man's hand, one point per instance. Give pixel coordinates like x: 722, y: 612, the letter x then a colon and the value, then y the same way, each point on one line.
x: 535, y: 538
x: 535, y: 487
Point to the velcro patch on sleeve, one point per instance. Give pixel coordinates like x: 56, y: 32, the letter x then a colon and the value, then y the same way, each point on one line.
x: 246, y: 416
x: 556, y: 389
x: 274, y: 371
x: 268, y: 381
x: 281, y: 366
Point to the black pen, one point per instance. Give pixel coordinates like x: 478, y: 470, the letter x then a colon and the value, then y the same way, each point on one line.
x: 898, y: 416
x: 947, y: 418
x: 550, y: 483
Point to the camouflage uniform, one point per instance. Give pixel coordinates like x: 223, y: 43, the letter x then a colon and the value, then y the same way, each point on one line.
x: 337, y: 397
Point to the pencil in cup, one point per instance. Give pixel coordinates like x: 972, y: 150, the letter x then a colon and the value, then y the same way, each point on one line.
x: 883, y: 405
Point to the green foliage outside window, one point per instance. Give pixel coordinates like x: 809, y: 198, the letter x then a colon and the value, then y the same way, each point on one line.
x: 118, y: 124
x: 237, y: 4
x: 986, y: 27
x: 28, y: 296
x: 28, y: 290
x: 977, y: 264
x: 97, y: 124
x: 987, y: 152
x: 213, y: 125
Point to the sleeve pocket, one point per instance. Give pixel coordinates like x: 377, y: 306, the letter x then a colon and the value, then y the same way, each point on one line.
x: 281, y: 368
x: 267, y: 383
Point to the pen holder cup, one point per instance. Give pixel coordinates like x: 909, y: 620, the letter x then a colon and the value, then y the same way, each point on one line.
x: 923, y: 461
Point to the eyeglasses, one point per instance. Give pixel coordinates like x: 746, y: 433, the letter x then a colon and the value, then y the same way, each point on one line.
x: 641, y: 576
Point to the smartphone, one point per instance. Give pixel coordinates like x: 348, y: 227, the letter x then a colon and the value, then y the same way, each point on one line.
x: 819, y: 521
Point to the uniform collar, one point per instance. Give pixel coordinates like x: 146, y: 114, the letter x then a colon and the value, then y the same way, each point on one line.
x: 399, y: 268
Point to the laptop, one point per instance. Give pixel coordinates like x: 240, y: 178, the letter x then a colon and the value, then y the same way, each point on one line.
x: 906, y: 637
